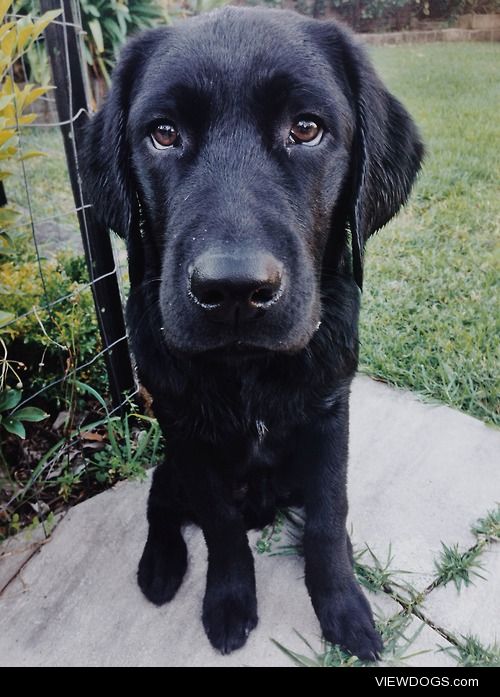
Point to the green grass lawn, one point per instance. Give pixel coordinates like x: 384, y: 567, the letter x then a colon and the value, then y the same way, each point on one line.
x: 430, y: 319
x: 430, y: 309
x: 47, y: 178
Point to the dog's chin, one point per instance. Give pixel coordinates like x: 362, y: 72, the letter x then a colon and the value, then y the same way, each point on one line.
x: 240, y: 350
x: 237, y: 352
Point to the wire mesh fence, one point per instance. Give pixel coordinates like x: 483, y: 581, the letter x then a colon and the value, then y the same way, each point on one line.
x: 64, y: 364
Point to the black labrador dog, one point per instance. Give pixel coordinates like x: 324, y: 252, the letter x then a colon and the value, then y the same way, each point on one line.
x: 246, y: 156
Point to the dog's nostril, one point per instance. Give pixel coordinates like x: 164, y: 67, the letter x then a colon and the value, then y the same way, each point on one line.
x: 211, y: 297
x: 263, y: 295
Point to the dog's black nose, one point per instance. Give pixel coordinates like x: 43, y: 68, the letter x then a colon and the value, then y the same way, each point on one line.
x: 235, y: 288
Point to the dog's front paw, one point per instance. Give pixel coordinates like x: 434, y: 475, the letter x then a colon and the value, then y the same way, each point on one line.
x: 161, y: 570
x: 229, y: 617
x: 346, y: 619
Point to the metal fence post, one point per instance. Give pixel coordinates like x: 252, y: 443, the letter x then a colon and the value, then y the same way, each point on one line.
x: 63, y: 44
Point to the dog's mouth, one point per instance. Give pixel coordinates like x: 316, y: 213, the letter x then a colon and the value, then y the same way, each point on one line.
x: 222, y: 347
x: 235, y: 351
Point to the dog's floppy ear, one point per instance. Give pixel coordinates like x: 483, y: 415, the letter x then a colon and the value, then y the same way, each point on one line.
x: 387, y: 150
x: 107, y: 177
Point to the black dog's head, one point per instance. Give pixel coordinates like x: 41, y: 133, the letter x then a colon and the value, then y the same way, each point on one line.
x: 234, y: 152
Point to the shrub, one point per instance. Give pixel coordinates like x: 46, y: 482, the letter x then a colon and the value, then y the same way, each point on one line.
x: 108, y: 23
x: 51, y: 342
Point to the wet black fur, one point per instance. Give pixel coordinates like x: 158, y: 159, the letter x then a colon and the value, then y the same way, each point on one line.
x: 255, y: 416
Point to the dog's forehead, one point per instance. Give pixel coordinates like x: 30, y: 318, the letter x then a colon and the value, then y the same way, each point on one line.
x: 234, y: 41
x: 235, y: 50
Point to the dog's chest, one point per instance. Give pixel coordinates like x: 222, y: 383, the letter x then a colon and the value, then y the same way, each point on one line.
x: 261, y: 452
x: 254, y: 450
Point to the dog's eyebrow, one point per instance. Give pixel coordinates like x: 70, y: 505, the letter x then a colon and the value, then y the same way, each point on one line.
x: 189, y: 104
x: 275, y: 92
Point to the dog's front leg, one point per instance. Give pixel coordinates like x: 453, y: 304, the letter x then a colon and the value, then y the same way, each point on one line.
x: 342, y: 609
x: 230, y: 604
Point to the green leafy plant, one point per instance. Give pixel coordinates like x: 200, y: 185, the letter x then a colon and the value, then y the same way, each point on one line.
x: 12, y: 420
x: 127, y: 447
x: 12, y: 417
x: 50, y: 341
x: 86, y: 460
x: 107, y: 24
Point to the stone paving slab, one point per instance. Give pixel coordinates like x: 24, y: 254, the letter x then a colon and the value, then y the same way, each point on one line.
x: 427, y: 650
x: 77, y: 603
x: 419, y: 474
x: 420, y: 646
x: 16, y: 551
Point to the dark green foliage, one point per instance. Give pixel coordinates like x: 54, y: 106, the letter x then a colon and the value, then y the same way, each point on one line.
x: 108, y: 23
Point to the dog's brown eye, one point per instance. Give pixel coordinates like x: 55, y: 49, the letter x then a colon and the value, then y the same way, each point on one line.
x: 305, y: 132
x: 164, y: 135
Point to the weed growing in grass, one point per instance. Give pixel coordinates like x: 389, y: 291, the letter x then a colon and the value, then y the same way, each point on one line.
x: 470, y: 652
x: 288, y: 523
x: 377, y: 577
x: 126, y: 450
x: 380, y: 577
x: 129, y: 451
x: 397, y: 646
x: 488, y: 528
x: 457, y: 566
x: 271, y: 534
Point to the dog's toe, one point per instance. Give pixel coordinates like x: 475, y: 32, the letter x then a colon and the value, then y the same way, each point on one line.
x: 228, y: 622
x: 346, y: 620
